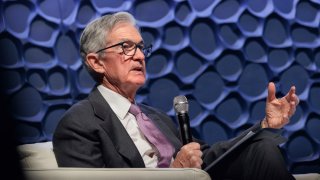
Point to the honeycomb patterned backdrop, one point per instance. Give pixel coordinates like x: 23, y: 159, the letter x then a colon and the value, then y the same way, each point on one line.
x: 220, y: 54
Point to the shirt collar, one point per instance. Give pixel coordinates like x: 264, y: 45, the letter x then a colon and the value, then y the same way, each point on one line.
x: 119, y: 104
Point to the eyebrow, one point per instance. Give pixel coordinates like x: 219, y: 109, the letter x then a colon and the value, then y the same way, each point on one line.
x: 124, y: 40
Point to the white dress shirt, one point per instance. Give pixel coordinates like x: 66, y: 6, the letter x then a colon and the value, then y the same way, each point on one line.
x: 120, y: 106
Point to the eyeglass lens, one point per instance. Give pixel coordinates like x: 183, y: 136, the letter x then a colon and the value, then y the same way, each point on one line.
x: 130, y: 48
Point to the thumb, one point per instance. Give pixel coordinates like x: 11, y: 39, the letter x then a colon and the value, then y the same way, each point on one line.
x: 271, y: 92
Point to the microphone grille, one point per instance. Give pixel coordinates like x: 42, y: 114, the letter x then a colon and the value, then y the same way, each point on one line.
x: 180, y: 104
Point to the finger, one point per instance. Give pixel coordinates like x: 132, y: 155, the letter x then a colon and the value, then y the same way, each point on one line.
x: 187, y: 153
x: 181, y: 160
x: 177, y: 163
x: 195, y: 145
x: 196, y: 153
x: 184, y: 163
x: 193, y: 153
x: 196, y: 162
x: 192, y: 145
x: 271, y: 92
x: 291, y: 93
x: 296, y: 99
x: 195, y: 159
x: 292, y: 108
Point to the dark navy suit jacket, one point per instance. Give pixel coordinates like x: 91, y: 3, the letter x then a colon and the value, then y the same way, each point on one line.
x: 91, y: 135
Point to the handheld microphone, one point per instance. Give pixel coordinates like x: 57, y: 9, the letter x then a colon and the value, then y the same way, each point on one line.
x: 181, y: 106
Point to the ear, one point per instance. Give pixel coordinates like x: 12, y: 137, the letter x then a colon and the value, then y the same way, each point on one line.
x: 94, y: 62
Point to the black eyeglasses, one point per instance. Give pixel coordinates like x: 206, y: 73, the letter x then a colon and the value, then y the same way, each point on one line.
x: 129, y: 48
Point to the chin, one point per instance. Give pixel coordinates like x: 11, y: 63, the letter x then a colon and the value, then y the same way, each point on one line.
x: 139, y: 82
x: 141, y: 79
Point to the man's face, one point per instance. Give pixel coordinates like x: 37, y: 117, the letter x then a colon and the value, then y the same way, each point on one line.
x: 124, y: 71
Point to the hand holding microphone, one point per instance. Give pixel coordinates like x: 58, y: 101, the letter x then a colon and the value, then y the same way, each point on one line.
x: 181, y: 106
x: 190, y: 154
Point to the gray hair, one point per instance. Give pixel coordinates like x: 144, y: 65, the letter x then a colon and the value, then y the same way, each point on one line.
x: 94, y: 36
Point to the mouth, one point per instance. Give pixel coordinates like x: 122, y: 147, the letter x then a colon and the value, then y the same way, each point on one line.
x: 137, y: 69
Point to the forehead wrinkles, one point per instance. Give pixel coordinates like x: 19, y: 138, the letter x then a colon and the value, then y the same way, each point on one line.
x: 124, y: 31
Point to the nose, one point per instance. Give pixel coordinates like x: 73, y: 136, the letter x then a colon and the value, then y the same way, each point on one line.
x: 139, y: 55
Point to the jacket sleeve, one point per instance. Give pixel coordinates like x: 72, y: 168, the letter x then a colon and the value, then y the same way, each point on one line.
x: 75, y: 141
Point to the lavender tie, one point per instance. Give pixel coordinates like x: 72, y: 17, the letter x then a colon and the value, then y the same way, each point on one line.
x: 154, y: 136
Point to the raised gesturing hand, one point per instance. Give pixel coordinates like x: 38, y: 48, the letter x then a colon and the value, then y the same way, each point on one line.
x: 279, y: 111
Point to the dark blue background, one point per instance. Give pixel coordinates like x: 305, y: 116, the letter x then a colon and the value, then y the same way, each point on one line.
x: 219, y: 54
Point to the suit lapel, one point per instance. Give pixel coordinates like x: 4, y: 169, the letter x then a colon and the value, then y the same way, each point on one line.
x: 117, y: 133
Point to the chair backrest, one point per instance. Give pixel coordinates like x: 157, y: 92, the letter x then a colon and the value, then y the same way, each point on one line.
x: 38, y: 155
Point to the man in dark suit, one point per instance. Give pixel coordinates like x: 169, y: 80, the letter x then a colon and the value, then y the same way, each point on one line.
x: 103, y: 131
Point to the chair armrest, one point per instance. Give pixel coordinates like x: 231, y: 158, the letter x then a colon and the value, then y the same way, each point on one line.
x: 308, y: 176
x: 116, y: 173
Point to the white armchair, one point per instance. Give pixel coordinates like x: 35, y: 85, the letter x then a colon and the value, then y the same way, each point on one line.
x: 38, y: 163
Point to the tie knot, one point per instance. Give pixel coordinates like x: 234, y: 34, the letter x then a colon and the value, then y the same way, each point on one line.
x: 134, y: 109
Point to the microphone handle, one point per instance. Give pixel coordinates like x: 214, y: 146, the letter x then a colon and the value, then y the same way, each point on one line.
x: 185, y: 131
